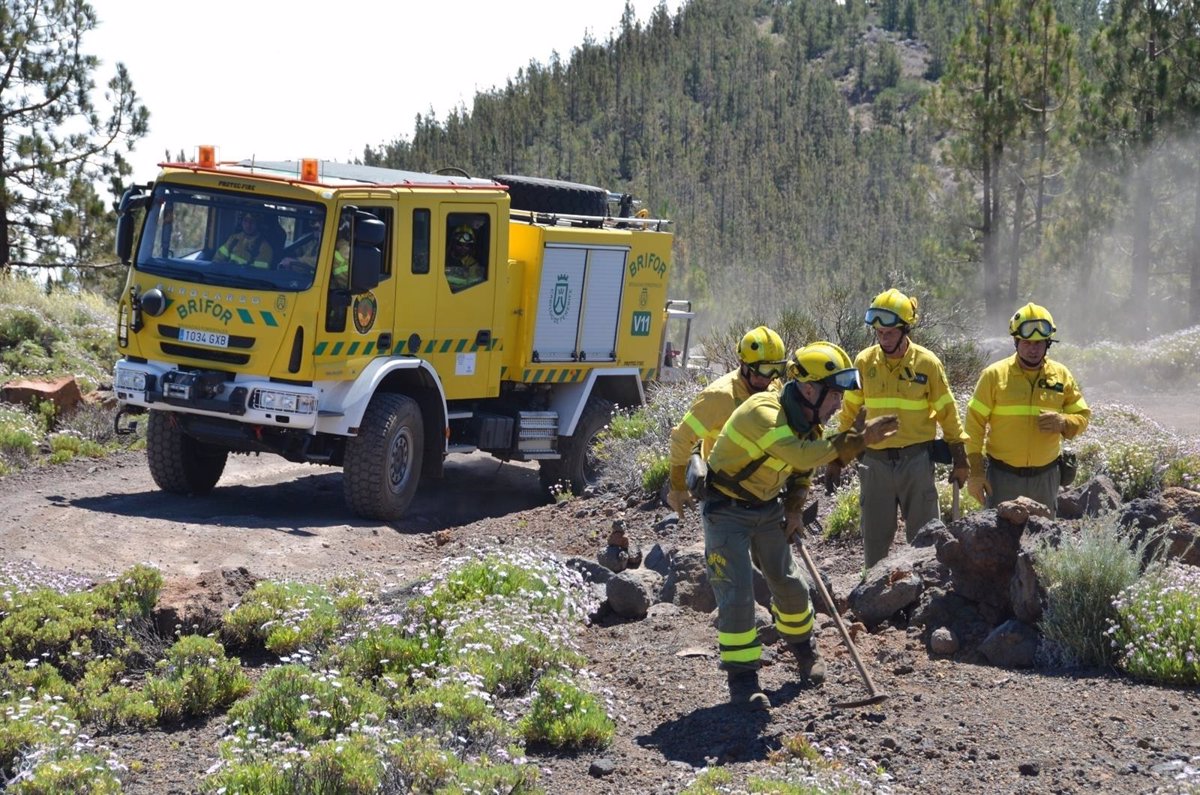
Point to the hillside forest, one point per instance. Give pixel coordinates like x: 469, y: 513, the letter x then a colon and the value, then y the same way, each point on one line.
x: 975, y: 153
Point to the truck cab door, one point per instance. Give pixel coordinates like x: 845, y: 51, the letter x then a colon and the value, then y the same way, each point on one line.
x: 468, y: 253
x: 354, y: 327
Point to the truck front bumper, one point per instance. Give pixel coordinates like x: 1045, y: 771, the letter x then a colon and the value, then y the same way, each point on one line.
x: 252, y: 401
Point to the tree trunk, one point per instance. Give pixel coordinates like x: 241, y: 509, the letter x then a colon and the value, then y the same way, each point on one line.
x: 1014, y: 254
x: 1139, y: 278
x: 1194, y: 286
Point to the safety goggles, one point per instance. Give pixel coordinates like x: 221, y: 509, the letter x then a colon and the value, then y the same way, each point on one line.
x: 843, y: 380
x: 1030, y: 327
x: 767, y: 369
x: 883, y: 317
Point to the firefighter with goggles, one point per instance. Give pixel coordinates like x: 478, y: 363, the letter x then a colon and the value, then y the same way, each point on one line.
x: 902, y: 378
x: 762, y: 356
x: 758, y: 477
x: 1022, y: 408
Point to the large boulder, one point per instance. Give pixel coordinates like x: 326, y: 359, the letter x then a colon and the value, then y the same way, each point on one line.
x: 894, y: 584
x: 62, y: 392
x: 982, y: 556
x: 687, y: 584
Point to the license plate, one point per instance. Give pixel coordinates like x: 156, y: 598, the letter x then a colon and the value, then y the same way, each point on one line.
x: 212, y: 339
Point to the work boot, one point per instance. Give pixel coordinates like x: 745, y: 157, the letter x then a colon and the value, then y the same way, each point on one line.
x: 745, y: 693
x: 809, y: 662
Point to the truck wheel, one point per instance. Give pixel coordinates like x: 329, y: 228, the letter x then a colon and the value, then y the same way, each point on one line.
x: 382, y: 464
x: 178, y: 463
x: 554, y: 196
x: 578, y: 467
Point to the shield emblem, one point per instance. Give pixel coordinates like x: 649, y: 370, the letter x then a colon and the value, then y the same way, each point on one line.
x: 558, y: 304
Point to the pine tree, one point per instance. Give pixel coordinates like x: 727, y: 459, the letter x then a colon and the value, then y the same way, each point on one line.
x: 52, y: 136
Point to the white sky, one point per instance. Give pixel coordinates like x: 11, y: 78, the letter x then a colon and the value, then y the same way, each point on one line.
x: 282, y: 80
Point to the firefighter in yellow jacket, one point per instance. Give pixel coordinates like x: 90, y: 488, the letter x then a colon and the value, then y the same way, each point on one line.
x: 247, y: 246
x: 903, y: 378
x: 1022, y: 409
x: 768, y: 449
x: 762, y: 358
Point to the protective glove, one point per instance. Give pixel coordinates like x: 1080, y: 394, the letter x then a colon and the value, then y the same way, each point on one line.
x: 978, y: 488
x: 961, y: 468
x: 833, y: 476
x: 680, y: 501
x: 1051, y: 422
x: 792, y: 523
x: 877, y: 429
x: 977, y: 485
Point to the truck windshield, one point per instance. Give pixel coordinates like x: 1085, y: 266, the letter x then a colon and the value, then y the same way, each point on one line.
x: 229, y: 239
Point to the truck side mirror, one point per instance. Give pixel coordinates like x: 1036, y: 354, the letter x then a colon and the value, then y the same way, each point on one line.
x: 366, y: 260
x: 124, y: 241
x: 135, y: 198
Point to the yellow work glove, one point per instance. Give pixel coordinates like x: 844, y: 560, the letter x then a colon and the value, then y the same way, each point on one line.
x: 679, y: 501
x: 960, y: 470
x: 880, y: 428
x: 977, y: 485
x: 1051, y: 422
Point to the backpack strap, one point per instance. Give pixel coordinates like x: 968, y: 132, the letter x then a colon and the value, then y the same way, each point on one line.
x: 733, y: 483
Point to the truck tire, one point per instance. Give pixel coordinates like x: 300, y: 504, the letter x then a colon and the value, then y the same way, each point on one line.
x: 382, y: 465
x: 578, y: 467
x: 178, y: 463
x: 554, y: 196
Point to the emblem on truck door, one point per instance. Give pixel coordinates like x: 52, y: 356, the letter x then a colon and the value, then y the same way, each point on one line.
x: 560, y: 299
x: 365, y: 309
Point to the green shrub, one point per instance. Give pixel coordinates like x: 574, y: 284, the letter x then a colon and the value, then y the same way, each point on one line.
x: 57, y: 770
x: 310, y: 706
x: 455, y: 706
x: 844, y: 520
x: 288, y: 616
x: 67, y: 630
x: 392, y: 652
x: 104, y: 703
x: 1082, y: 577
x: 656, y: 475
x: 1183, y: 472
x: 1156, y: 633
x: 1133, y: 469
x: 195, y: 679
x: 565, y: 716
x: 66, y: 445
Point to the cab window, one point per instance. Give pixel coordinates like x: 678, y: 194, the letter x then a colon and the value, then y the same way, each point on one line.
x: 468, y: 237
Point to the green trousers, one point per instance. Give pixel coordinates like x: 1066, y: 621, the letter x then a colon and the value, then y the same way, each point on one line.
x: 736, y: 539
x: 888, y: 479
x: 1009, y: 485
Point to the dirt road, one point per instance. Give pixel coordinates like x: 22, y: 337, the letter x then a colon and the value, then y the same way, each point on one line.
x: 270, y: 515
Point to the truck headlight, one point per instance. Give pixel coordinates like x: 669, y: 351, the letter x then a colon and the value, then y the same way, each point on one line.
x: 286, y: 402
x: 133, y: 380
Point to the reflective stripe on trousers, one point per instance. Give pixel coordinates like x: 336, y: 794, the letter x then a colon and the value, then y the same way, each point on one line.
x: 736, y: 539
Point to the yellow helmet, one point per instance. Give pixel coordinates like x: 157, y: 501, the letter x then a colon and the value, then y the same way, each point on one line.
x: 1032, y: 322
x: 823, y: 363
x: 762, y: 346
x: 892, y: 308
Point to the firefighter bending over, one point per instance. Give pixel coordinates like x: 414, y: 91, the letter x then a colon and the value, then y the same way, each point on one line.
x: 768, y: 448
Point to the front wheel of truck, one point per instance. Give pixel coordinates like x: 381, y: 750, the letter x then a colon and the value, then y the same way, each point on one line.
x: 578, y: 466
x: 382, y: 465
x: 178, y: 463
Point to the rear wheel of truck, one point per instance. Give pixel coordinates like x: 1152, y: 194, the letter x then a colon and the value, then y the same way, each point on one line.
x: 382, y: 465
x: 554, y: 196
x: 178, y: 463
x: 579, y: 466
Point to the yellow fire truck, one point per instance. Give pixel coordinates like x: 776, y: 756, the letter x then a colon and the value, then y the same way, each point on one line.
x: 377, y: 320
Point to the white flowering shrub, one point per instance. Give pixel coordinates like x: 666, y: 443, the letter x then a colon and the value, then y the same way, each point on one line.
x: 1156, y: 632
